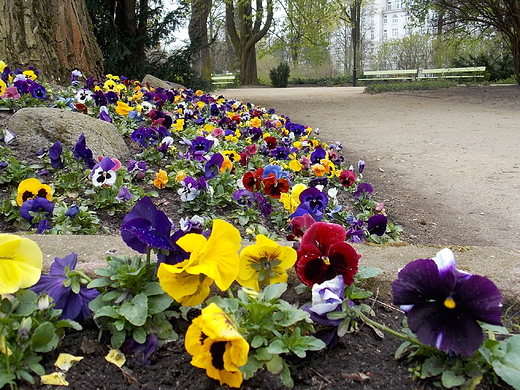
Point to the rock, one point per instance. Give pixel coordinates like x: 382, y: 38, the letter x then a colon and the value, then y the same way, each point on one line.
x: 158, y: 83
x: 40, y: 127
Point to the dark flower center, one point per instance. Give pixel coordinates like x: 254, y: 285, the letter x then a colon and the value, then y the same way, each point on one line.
x: 217, y: 350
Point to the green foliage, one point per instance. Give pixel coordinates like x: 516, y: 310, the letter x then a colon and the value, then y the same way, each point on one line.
x: 29, y: 326
x: 272, y: 327
x: 497, y: 68
x: 494, y: 359
x: 280, y: 75
x: 415, y: 86
x: 325, y: 81
x: 131, y: 303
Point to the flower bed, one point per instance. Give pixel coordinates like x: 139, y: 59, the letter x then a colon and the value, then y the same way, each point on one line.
x: 215, y: 160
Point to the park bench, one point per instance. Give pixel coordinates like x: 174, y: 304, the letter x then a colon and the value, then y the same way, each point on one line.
x: 473, y: 72
x: 389, y: 75
x: 222, y: 79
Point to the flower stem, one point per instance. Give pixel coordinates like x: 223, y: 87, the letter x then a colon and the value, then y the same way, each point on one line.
x: 386, y: 329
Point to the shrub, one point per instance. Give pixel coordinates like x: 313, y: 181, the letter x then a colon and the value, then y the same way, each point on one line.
x: 280, y: 75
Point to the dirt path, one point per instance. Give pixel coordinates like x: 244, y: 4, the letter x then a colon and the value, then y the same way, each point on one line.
x: 446, y: 163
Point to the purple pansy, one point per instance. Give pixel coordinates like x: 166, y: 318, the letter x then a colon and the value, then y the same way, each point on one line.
x: 144, y: 350
x: 146, y: 227
x: 124, y: 194
x: 212, y: 167
x: 37, y: 90
x: 444, y: 304
x: 376, y: 224
x: 363, y: 189
x: 74, y: 306
x: 190, y: 189
x: 244, y: 198
x: 41, y: 206
x: 55, y: 155
x: 72, y: 211
x: 80, y: 150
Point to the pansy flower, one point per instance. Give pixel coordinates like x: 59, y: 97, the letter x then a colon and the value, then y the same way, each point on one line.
x: 55, y: 155
x: 274, y: 187
x: 21, y: 263
x: 37, y: 90
x: 264, y: 263
x: 213, y: 259
x: 347, y: 178
x: 81, y: 151
x: 104, y: 172
x: 444, y: 304
x: 32, y: 188
x: 244, y: 197
x: 212, y: 167
x: 37, y: 211
x: 376, y: 224
x: 326, y: 297
x: 217, y: 346
x: 363, y: 190
x: 74, y: 305
x: 124, y: 194
x: 253, y: 180
x: 161, y: 179
x: 323, y: 254
x: 190, y: 189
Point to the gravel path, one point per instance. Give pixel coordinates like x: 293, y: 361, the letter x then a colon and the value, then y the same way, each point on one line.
x: 446, y: 162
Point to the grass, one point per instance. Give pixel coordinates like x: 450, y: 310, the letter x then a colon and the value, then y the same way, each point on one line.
x: 374, y: 88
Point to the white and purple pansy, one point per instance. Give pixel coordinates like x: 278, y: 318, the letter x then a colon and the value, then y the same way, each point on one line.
x: 104, y: 172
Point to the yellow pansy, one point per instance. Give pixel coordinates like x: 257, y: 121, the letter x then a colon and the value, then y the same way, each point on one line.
x: 199, y: 92
x: 213, y: 259
x: 122, y: 108
x: 319, y: 170
x: 209, y: 127
x: 265, y: 263
x: 178, y: 125
x: 65, y: 361
x: 216, y: 346
x: 30, y: 74
x: 2, y: 87
x: 292, y: 200
x: 4, y: 348
x: 201, y: 104
x: 2, y: 65
x: 256, y: 122
x: 115, y: 356
x: 110, y: 85
x: 232, y: 155
x: 295, y: 165
x: 21, y: 263
x: 32, y: 188
x: 330, y: 168
x: 180, y: 176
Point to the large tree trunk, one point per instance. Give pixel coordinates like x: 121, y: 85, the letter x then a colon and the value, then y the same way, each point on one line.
x: 198, y: 32
x: 245, y: 29
x: 53, y: 36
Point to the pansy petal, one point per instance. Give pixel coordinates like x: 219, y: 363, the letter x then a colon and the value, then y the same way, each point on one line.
x: 446, y: 329
x: 21, y: 262
x: 481, y: 297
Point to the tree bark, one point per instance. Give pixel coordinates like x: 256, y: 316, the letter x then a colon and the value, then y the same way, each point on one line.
x: 198, y: 33
x: 53, y: 36
x: 245, y: 30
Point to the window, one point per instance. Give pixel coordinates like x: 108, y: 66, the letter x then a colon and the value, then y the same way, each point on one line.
x: 395, y: 33
x: 385, y: 34
x: 398, y: 4
x: 372, y: 36
x: 385, y: 19
x: 395, y: 19
x: 389, y: 6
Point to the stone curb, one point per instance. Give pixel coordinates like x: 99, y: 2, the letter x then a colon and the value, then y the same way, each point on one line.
x: 500, y: 265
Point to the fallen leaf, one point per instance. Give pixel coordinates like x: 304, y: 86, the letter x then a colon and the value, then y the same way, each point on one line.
x: 357, y: 377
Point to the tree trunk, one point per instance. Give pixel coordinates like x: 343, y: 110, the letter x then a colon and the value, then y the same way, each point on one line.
x: 53, y: 36
x: 245, y: 29
x: 198, y: 32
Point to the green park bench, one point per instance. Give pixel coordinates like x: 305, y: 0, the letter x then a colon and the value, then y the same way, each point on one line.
x: 389, y: 75
x: 470, y: 72
x: 222, y: 79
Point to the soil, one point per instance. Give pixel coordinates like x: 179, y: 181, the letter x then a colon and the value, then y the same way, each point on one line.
x: 446, y: 165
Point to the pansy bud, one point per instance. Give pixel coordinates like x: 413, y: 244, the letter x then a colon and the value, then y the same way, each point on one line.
x: 43, y: 302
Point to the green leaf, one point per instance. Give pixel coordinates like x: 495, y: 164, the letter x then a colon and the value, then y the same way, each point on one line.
x: 274, y: 291
x: 508, y: 367
x: 136, y: 311
x: 27, y: 302
x: 159, y: 303
x: 275, y: 365
x: 285, y: 375
x: 111, y: 296
x: 262, y: 354
x: 258, y: 341
x: 106, y: 311
x: 432, y: 367
x: 367, y: 272
x: 277, y: 347
x: 139, y: 335
x: 251, y: 367
x: 44, y: 338
x: 153, y: 288
x: 118, y: 338
x: 450, y: 379
x: 99, y: 282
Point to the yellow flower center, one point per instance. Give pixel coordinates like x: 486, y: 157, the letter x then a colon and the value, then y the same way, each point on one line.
x: 326, y: 260
x: 449, y: 303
